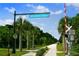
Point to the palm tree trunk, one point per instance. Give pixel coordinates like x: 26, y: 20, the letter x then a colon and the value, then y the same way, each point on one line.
x: 27, y: 40
x: 20, y: 42
x: 33, y: 42
x: 20, y: 36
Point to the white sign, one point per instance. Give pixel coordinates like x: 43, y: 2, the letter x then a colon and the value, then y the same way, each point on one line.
x: 15, y: 36
x: 68, y: 28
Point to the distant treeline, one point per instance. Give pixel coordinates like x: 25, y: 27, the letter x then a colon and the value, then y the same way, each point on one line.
x: 27, y: 31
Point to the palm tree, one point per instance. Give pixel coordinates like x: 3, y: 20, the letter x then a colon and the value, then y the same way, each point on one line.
x: 19, y: 27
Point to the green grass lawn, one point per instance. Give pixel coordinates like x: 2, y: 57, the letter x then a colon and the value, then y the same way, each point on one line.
x: 18, y: 53
x: 60, y: 54
x: 39, y: 46
x: 4, y: 52
x: 41, y: 51
x: 59, y: 47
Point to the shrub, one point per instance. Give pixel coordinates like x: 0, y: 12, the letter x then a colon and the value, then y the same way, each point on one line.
x: 46, y: 48
x: 75, y: 50
x: 41, y: 51
x: 59, y: 47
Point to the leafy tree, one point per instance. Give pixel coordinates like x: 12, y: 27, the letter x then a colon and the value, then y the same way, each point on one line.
x: 74, y: 21
x: 27, y: 35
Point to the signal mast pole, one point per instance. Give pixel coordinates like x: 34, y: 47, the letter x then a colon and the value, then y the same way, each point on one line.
x: 65, y: 24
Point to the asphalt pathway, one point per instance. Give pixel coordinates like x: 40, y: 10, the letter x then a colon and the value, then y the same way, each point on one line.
x: 52, y: 50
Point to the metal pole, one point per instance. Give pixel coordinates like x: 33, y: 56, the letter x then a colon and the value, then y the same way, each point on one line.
x: 14, y: 41
x: 9, y: 44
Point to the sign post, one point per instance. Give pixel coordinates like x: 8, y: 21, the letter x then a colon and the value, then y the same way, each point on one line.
x: 64, y: 37
x: 70, y: 37
x: 14, y: 41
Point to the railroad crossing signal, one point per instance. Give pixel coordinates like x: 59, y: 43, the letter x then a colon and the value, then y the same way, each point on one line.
x: 70, y: 37
x: 68, y: 28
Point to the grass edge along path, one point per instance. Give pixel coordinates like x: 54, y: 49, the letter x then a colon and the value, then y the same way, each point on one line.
x: 4, y: 52
x: 42, y: 51
x: 60, y: 49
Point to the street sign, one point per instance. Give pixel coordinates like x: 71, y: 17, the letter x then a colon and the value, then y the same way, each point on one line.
x: 46, y: 15
x: 15, y: 36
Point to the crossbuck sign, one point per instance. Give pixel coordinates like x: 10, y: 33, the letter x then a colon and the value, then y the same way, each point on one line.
x: 68, y: 28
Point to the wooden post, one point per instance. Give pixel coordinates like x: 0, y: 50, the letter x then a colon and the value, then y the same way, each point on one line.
x: 65, y: 24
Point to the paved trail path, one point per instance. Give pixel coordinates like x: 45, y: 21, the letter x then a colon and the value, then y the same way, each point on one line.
x: 52, y: 50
